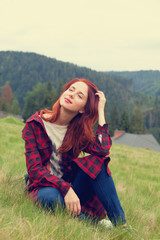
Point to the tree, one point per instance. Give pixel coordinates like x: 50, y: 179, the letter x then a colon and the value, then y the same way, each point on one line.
x: 158, y: 92
x: 3, y: 105
x: 156, y: 113
x: 149, y: 119
x: 114, y: 118
x: 15, y: 108
x: 125, y: 122
x: 60, y: 88
x: 42, y: 96
x: 7, y: 93
x: 137, y: 121
x: 6, y: 97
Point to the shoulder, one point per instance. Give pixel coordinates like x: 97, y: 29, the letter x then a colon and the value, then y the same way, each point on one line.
x: 35, y: 120
x: 34, y: 117
x: 33, y: 124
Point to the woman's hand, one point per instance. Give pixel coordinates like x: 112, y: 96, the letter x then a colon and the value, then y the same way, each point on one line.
x: 101, y: 105
x: 102, y: 100
x: 72, y: 202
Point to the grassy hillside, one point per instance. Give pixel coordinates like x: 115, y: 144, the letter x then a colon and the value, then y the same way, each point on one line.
x: 136, y: 175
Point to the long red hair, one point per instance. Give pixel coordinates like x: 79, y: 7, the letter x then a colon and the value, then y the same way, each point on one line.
x: 80, y: 129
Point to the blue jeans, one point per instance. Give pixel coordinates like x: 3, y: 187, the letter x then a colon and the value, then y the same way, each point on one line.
x: 84, y: 186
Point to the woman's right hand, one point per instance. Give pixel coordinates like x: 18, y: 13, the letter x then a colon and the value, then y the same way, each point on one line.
x: 72, y: 202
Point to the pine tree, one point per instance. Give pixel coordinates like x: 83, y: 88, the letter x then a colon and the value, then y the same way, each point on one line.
x: 3, y: 105
x: 137, y: 121
x: 114, y: 118
x: 125, y: 122
x: 15, y: 109
x: 149, y: 119
x: 156, y: 112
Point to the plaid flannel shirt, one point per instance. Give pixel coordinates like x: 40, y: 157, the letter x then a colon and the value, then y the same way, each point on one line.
x: 38, y: 151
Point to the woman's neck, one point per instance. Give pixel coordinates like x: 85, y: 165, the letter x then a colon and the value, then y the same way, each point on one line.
x: 65, y: 117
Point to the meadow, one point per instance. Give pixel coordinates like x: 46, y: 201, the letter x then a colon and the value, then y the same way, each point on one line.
x: 136, y: 175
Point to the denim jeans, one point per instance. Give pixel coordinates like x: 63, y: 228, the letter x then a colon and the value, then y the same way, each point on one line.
x: 84, y: 186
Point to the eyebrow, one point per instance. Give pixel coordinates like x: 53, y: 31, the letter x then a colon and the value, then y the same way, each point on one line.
x: 75, y: 88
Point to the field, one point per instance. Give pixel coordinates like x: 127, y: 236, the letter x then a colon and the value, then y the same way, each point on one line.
x: 136, y: 173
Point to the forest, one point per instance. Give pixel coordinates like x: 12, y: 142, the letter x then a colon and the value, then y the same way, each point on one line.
x: 30, y: 82
x: 147, y: 82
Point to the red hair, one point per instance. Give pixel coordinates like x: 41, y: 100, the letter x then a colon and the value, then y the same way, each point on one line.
x: 80, y: 129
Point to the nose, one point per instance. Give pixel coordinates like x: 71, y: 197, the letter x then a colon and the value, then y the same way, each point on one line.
x: 71, y: 94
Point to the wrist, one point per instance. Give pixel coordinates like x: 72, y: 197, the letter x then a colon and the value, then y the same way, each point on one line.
x: 101, y: 110
x: 101, y: 120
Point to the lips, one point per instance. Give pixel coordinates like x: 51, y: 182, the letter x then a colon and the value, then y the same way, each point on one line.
x: 67, y: 100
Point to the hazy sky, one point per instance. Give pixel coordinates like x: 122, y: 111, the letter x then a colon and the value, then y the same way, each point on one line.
x: 100, y: 34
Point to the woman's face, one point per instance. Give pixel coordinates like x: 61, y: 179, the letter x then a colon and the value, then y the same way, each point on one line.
x: 75, y: 97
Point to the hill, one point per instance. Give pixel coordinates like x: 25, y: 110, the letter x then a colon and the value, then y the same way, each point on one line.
x: 136, y: 175
x: 24, y: 70
x: 146, y: 82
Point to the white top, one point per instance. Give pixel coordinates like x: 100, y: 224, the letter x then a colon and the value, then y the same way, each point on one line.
x: 56, y: 134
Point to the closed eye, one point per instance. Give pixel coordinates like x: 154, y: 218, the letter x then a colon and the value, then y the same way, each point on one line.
x: 70, y: 89
x: 79, y: 95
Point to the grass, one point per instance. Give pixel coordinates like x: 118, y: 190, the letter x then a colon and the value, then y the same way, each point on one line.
x: 136, y: 175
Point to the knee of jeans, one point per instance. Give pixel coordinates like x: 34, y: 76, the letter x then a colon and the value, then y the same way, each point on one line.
x: 50, y: 196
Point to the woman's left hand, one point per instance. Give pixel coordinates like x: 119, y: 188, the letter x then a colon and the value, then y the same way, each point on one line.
x: 102, y: 101
x: 101, y: 105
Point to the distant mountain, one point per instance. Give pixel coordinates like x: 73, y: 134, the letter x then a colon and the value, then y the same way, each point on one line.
x: 24, y: 70
x: 147, y: 82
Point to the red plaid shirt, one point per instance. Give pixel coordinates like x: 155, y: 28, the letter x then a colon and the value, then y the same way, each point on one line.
x: 38, y: 152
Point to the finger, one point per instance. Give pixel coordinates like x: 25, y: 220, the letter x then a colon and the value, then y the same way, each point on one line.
x: 67, y: 206
x: 100, y: 94
x: 78, y: 209
x: 75, y: 210
x: 71, y: 208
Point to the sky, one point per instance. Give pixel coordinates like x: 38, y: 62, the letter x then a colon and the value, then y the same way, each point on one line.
x: 104, y: 35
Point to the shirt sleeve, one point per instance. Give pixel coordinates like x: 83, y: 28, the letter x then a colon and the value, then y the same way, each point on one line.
x: 102, y: 142
x: 38, y: 172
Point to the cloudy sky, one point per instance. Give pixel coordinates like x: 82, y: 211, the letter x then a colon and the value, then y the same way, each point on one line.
x: 103, y: 35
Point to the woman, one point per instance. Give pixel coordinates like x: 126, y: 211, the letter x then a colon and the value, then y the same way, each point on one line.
x: 53, y: 141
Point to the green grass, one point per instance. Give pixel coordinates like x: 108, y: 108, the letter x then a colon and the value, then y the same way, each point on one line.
x: 137, y: 178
